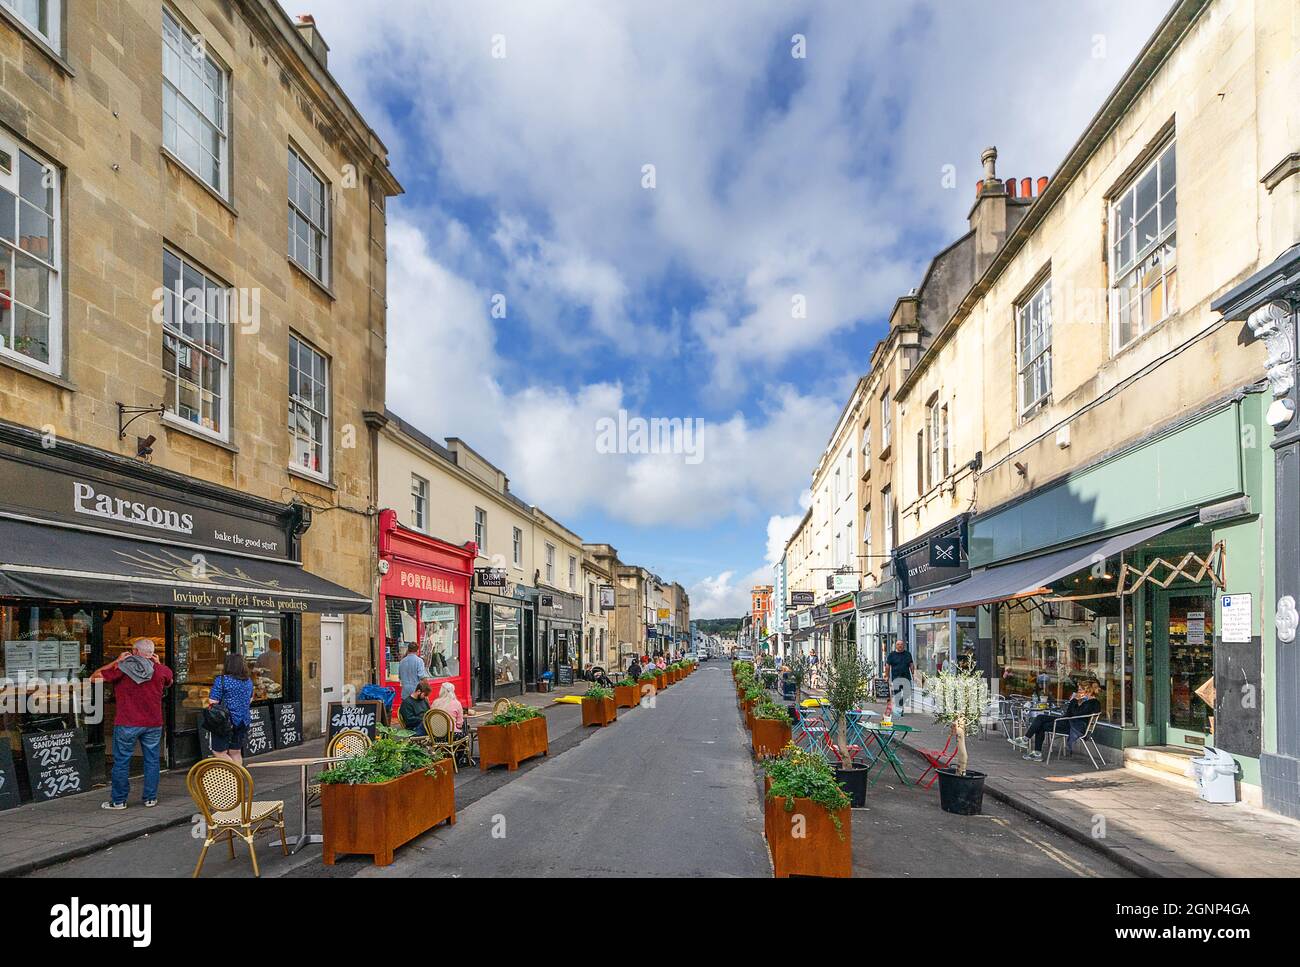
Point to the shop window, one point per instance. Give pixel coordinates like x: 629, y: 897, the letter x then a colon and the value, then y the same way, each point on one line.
x: 261, y: 641
x: 434, y: 625
x: 30, y: 236
x: 195, y: 347
x: 200, y: 646
x: 309, y: 416
x: 195, y: 113
x: 505, y: 644
x: 308, y: 219
x: 1143, y: 250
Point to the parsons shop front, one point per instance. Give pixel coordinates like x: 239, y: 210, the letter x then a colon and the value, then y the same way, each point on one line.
x: 97, y: 551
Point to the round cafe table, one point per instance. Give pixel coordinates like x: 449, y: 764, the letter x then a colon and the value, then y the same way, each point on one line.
x: 303, y: 838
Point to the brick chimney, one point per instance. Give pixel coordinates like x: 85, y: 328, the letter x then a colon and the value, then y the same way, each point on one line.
x: 988, y: 217
x: 306, y: 25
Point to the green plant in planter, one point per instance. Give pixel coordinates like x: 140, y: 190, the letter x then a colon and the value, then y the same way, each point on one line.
x: 754, y: 692
x: 389, y: 757
x: 627, y: 682
x: 598, y: 692
x: 767, y: 661
x: 514, y: 713
x: 848, y: 685
x: 647, y: 676
x: 799, y: 667
x: 796, y: 774
x: 768, y: 709
x: 961, y: 697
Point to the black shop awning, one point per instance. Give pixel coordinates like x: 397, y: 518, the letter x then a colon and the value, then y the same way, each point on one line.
x: 41, y: 561
x: 1023, y: 579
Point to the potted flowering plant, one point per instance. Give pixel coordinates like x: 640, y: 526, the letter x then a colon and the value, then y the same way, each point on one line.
x: 807, y: 819
x: 598, y: 706
x: 961, y: 697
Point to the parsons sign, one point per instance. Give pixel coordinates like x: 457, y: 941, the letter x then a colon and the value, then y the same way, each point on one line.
x: 86, y: 501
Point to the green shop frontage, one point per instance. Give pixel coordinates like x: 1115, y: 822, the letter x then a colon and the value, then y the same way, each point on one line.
x: 1145, y: 573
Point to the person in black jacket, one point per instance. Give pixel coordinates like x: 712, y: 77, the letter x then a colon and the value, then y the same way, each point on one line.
x: 414, y: 706
x: 634, y: 669
x: 1082, y: 702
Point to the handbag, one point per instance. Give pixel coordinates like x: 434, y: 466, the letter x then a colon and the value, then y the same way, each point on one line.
x: 216, y: 718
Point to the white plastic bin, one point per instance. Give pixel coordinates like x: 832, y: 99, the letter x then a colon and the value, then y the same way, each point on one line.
x: 1215, y: 773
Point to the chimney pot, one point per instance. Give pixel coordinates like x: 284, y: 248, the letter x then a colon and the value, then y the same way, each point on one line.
x: 1042, y: 185
x: 1011, y: 187
x: 1026, y: 187
x: 989, y: 157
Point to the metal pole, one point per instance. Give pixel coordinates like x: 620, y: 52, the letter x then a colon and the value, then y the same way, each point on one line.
x: 1123, y: 653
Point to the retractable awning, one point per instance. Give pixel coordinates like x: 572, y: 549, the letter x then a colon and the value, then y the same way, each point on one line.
x: 1022, y: 579
x: 41, y: 561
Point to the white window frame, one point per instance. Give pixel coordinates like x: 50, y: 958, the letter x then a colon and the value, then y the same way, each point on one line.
x: 10, y: 252
x: 297, y: 402
x: 1128, y: 255
x: 573, y: 573
x: 52, y: 34
x: 480, y: 528
x: 1034, y: 348
x: 419, y: 502
x: 886, y: 422
x: 318, y: 232
x: 887, y: 509
x: 192, y: 46
x: 945, y: 445
x: 517, y: 545
x: 215, y: 303
x: 550, y: 564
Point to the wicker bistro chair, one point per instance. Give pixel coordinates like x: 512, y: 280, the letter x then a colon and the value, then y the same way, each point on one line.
x: 441, y: 730
x: 342, y: 745
x: 500, y: 705
x: 223, y: 791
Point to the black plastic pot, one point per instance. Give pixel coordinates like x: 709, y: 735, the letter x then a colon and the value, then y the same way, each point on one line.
x: 854, y: 782
x: 963, y: 795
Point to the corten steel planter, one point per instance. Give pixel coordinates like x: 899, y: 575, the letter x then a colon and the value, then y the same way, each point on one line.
x: 509, y: 745
x: 376, y: 818
x: 821, y: 850
x: 646, y: 688
x: 627, y: 696
x: 747, y: 707
x: 769, y: 737
x: 661, y: 681
x: 598, y: 711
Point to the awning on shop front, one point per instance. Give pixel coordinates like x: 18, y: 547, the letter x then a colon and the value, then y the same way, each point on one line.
x: 1022, y: 579
x: 41, y: 561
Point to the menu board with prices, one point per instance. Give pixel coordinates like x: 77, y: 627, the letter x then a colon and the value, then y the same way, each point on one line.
x: 288, y: 724
x: 261, y: 733
x: 56, y: 764
x: 565, y: 676
x: 8, y: 777
x: 362, y: 716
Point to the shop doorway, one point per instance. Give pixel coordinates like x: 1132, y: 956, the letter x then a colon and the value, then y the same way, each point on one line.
x: 331, y: 666
x: 1183, y: 665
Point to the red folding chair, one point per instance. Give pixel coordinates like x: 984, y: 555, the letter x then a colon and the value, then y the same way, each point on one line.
x: 938, y: 758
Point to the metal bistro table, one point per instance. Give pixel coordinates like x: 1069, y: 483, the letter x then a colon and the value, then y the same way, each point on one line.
x: 303, y: 837
x: 885, y: 738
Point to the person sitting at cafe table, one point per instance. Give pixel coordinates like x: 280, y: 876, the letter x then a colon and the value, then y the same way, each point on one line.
x: 449, y: 703
x: 414, y: 706
x: 1082, y: 703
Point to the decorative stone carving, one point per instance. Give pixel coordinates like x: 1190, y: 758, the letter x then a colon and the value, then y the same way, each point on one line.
x: 1274, y: 323
x: 1287, y: 618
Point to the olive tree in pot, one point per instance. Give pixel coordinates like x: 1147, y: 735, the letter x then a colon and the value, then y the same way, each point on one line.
x: 961, y: 698
x: 796, y: 675
x: 848, y: 685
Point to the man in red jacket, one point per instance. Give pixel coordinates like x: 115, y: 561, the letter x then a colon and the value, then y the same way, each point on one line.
x: 138, y: 679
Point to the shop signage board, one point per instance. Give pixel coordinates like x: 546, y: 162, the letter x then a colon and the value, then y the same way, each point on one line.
x: 490, y: 577
x: 945, y: 551
x: 842, y: 582
x: 1234, y: 618
x: 56, y: 764
x: 261, y: 733
x: 363, y: 716
x: 288, y: 724
x: 96, y: 498
x: 607, y: 597
x: 800, y: 598
x: 8, y: 778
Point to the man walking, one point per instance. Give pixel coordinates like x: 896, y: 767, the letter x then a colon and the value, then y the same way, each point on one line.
x: 138, y: 679
x: 901, y: 666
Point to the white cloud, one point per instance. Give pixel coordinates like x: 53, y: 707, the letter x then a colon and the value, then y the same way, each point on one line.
x: 725, y: 595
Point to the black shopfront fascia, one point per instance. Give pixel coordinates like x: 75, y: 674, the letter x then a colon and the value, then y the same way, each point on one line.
x: 916, y: 563
x: 88, y: 532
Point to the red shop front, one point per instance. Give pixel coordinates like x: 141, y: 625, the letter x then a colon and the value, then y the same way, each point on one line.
x: 424, y: 598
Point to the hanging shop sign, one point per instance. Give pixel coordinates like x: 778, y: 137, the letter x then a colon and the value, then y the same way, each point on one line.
x: 842, y: 582
x: 490, y: 577
x: 945, y: 552
x: 607, y: 597
x: 915, y: 563
x: 801, y: 598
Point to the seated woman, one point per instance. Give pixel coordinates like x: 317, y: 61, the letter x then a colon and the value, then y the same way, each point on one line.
x: 1082, y: 702
x: 449, y: 703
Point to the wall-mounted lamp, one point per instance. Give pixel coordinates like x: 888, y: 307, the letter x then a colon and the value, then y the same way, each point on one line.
x: 1021, y: 468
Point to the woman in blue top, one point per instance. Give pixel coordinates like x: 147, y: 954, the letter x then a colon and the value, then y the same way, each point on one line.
x: 234, y: 690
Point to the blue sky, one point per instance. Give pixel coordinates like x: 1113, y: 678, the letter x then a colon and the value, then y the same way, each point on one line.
x: 521, y: 132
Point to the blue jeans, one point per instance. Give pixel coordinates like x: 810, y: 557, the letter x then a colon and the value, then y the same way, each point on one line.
x: 124, y: 740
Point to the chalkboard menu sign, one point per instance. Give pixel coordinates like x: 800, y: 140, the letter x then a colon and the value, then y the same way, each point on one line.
x: 363, y: 716
x: 288, y: 724
x: 8, y: 777
x: 881, y: 689
x: 261, y: 733
x: 56, y: 764
x: 566, y: 675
